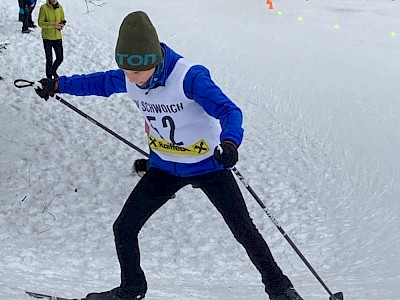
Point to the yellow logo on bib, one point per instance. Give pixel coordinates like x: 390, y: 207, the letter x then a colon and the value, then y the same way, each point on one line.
x: 198, y: 148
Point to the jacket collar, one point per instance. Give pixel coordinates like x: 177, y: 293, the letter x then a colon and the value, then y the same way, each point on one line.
x: 163, y: 70
x: 55, y: 6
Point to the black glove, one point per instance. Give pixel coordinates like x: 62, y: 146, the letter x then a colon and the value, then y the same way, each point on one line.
x: 226, y: 154
x: 140, y: 166
x: 48, y: 88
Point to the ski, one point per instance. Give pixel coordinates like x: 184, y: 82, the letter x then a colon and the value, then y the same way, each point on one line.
x: 49, y: 297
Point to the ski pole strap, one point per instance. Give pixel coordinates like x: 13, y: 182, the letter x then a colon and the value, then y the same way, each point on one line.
x: 23, y: 83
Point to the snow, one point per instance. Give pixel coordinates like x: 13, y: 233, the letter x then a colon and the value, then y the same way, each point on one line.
x: 318, y: 83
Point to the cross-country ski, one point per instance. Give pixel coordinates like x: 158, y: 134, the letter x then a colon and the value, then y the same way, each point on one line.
x: 49, y: 297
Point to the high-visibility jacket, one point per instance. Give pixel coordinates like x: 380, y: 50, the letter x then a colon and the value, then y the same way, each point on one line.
x: 49, y: 15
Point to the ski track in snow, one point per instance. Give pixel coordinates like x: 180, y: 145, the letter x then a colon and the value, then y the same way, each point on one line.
x: 64, y: 180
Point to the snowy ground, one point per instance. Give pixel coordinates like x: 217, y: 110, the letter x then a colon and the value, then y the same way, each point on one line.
x: 318, y: 82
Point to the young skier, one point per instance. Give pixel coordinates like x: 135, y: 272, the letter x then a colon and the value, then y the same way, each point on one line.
x: 194, y: 131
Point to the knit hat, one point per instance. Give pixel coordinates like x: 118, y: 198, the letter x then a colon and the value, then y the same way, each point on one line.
x: 138, y: 47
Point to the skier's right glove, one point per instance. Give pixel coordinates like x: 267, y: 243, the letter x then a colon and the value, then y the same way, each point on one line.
x: 49, y: 88
x: 140, y: 166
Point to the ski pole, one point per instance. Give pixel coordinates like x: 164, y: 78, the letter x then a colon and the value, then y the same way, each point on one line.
x: 336, y: 296
x: 27, y: 83
x: 89, y: 118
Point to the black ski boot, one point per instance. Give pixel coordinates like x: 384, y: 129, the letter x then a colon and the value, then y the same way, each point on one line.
x: 289, y: 294
x: 115, y: 294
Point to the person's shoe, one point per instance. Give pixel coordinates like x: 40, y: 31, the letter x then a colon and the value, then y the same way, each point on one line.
x: 289, y: 294
x: 26, y: 31
x: 115, y: 294
x: 33, y: 25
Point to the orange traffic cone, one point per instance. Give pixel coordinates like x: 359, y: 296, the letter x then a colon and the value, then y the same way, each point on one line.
x: 271, y: 6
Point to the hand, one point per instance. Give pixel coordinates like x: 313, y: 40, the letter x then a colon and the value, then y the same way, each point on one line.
x: 226, y: 154
x: 60, y: 25
x: 49, y: 88
x: 140, y: 166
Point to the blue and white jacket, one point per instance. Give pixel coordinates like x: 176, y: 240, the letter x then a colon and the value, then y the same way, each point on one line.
x: 197, y: 86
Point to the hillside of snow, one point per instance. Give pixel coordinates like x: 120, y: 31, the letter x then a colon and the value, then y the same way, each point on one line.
x: 318, y: 83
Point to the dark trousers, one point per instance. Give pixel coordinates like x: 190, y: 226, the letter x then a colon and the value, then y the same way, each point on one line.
x: 27, y: 17
x: 155, y: 189
x: 51, y: 67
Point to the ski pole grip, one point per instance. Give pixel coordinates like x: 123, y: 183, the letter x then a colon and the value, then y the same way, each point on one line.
x: 37, y: 85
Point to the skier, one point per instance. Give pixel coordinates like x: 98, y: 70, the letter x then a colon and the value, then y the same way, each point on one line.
x: 194, y: 131
x: 52, y: 20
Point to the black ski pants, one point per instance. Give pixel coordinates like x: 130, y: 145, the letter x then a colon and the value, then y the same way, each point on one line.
x: 51, y: 67
x: 155, y: 189
x: 27, y: 17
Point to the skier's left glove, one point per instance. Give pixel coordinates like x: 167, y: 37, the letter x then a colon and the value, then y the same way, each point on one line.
x: 140, y: 166
x: 49, y: 88
x: 226, y: 153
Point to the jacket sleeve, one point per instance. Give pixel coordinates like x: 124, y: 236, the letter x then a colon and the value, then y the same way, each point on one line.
x: 199, y: 86
x: 99, y: 84
x: 42, y: 19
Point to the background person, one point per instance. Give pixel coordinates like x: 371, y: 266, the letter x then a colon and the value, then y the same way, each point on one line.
x: 52, y: 20
x: 26, y: 7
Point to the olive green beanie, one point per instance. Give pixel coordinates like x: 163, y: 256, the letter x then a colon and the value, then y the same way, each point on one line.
x: 138, y: 47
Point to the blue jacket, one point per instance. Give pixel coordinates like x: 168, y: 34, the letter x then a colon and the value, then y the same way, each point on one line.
x: 198, y: 86
x: 22, y: 3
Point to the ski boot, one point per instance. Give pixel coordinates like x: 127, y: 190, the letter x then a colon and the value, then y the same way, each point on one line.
x: 289, y: 294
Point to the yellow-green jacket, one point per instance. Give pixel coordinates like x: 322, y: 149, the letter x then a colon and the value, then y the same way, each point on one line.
x: 48, y: 17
